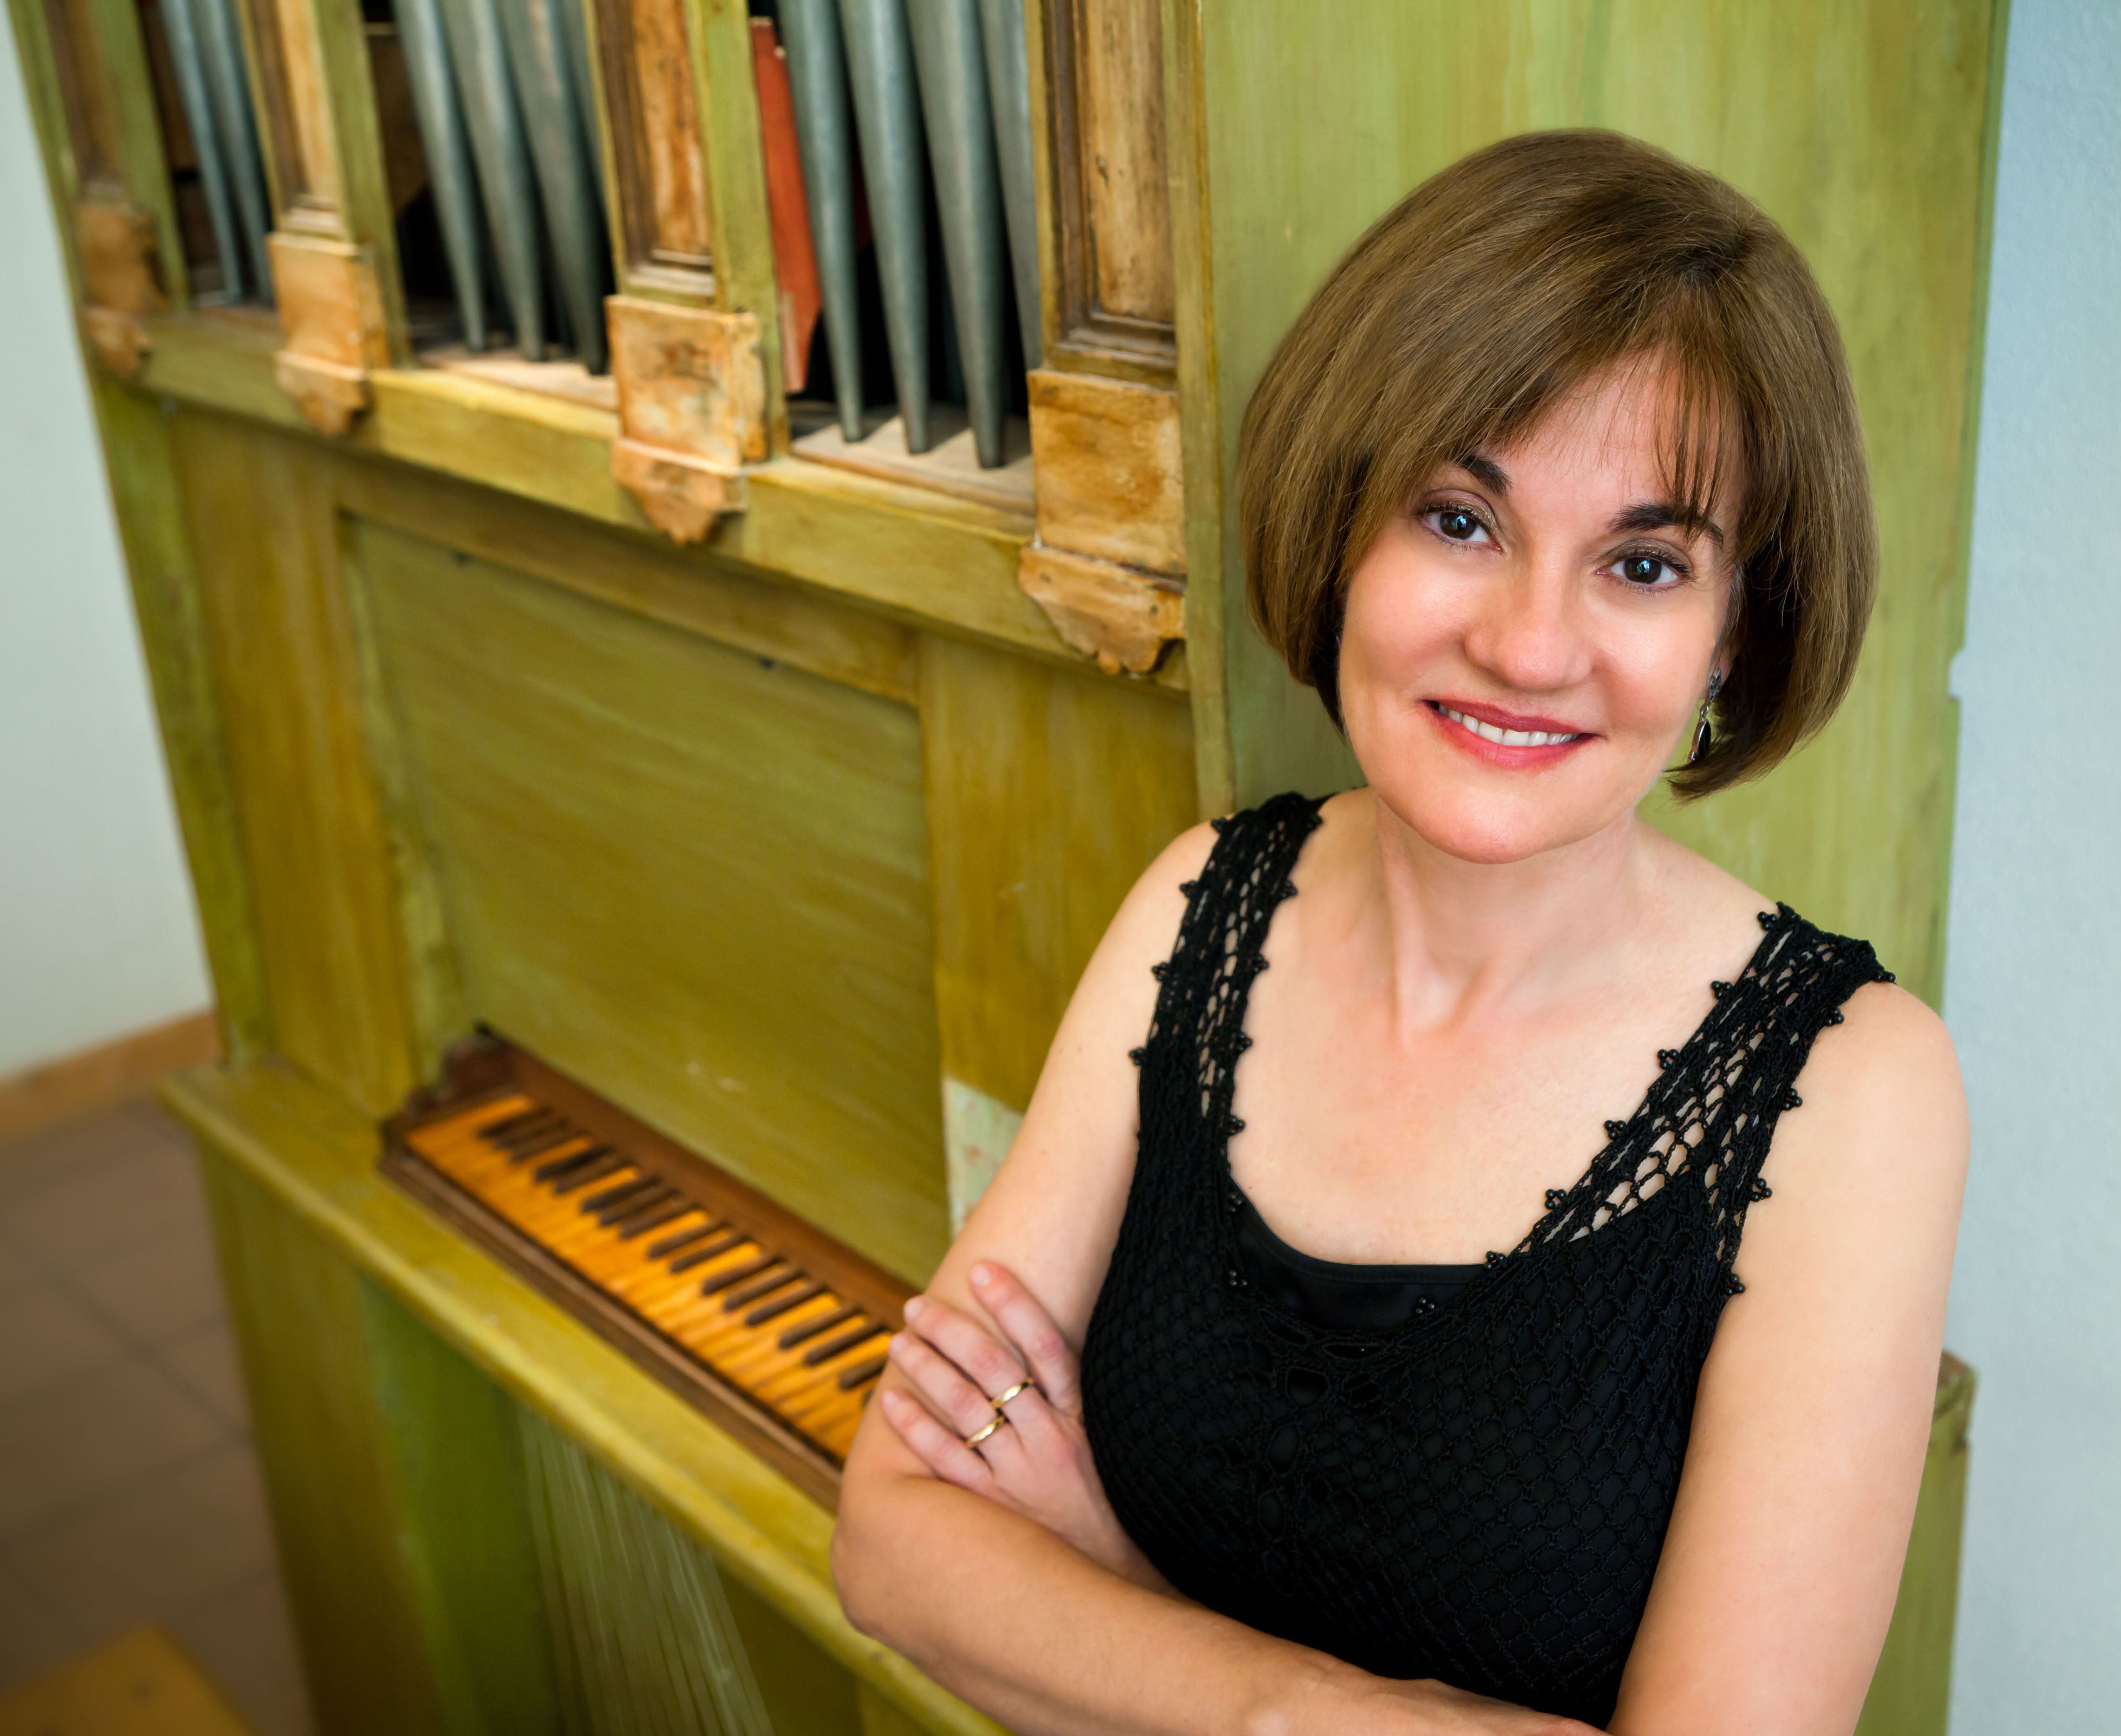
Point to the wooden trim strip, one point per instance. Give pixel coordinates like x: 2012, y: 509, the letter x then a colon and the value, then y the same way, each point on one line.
x: 90, y: 1078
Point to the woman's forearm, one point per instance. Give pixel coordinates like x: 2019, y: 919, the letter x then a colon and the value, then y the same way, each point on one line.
x: 1005, y: 1614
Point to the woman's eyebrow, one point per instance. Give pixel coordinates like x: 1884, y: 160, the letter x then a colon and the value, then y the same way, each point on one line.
x: 1658, y: 514
x: 1485, y: 470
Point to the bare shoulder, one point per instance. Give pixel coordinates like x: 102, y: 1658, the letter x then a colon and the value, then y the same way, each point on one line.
x: 1886, y: 1082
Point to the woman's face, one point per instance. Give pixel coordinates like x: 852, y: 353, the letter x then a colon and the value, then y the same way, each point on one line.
x: 1544, y: 593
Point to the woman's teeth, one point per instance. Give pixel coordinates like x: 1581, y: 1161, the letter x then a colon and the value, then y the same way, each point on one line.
x: 1507, y: 737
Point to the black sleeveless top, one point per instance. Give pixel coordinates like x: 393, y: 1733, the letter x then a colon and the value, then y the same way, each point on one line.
x: 1473, y: 1484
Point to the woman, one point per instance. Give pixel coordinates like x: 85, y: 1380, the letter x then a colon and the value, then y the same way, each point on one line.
x: 1557, y: 479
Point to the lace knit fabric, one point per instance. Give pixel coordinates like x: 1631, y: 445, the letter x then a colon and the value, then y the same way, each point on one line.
x: 1480, y: 1495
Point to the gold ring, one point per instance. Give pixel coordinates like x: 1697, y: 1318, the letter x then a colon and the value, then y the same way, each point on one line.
x: 1022, y: 1386
x: 974, y: 1440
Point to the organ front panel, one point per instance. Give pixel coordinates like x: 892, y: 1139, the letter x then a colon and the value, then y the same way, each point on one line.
x: 699, y: 538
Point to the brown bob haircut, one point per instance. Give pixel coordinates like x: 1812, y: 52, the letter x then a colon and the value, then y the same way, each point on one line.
x: 1491, y: 293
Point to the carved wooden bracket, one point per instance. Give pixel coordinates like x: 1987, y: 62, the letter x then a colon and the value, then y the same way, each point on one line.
x: 1120, y: 615
x: 121, y: 280
x: 331, y: 314
x: 692, y: 410
x: 1105, y: 453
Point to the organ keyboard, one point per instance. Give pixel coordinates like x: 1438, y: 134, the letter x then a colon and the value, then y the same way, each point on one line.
x: 769, y: 1326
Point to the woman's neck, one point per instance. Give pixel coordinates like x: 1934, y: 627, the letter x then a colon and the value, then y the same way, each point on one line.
x: 1467, y: 942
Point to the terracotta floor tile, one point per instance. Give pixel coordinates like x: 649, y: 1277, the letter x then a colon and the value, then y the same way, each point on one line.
x: 246, y: 1645
x: 204, y: 1362
x: 34, y: 1160
x: 91, y: 1436
x: 32, y: 1637
x: 177, y: 1541
x: 147, y: 1192
x: 151, y: 1290
x: 47, y: 1337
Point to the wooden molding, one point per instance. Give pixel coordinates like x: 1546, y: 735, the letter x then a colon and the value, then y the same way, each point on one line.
x: 1111, y: 300
x: 658, y: 158
x: 683, y: 496
x: 692, y: 410
x: 331, y: 315
x: 120, y: 340
x: 1120, y: 615
x: 121, y: 280
x: 1105, y: 456
x: 90, y: 1078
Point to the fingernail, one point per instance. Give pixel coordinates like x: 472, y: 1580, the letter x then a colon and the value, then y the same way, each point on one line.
x: 983, y: 1275
x: 914, y: 1304
x: 899, y: 1341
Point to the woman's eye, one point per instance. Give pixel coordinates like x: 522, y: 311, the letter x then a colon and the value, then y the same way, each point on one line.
x: 1456, y: 524
x: 1644, y: 569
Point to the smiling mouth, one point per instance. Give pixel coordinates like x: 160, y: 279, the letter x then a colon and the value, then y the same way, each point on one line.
x: 1506, y: 738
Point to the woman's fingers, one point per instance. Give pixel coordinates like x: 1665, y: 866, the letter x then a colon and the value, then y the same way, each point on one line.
x: 934, y: 1446
x: 986, y: 1363
x: 953, y: 1398
x: 1031, y: 1329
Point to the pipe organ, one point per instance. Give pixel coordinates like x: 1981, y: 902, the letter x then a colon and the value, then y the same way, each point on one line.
x: 686, y: 557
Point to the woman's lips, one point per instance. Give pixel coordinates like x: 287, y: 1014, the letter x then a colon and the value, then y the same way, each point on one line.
x: 1502, y: 738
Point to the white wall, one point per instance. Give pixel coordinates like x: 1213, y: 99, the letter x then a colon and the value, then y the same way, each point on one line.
x: 2033, y: 989
x: 97, y: 935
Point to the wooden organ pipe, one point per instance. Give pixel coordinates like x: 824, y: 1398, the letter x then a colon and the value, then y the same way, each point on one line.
x: 190, y: 68
x: 495, y: 122
x: 888, y: 120
x: 442, y: 133
x: 1009, y: 95
x: 228, y: 88
x: 817, y: 84
x: 961, y: 142
x: 558, y: 122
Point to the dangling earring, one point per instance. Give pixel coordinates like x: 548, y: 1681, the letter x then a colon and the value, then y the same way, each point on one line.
x: 1703, y: 734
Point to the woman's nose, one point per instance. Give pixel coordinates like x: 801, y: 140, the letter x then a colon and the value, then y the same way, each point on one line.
x: 1525, y: 630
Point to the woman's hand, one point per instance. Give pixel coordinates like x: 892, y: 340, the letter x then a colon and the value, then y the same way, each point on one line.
x: 1340, y: 1699
x: 1038, y: 1462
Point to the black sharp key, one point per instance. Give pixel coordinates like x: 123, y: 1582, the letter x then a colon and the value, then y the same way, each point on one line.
x: 609, y: 1164
x: 543, y: 1126
x: 639, y: 1223
x: 781, y: 1304
x: 824, y: 1323
x: 622, y: 1196
x: 737, y: 1274
x: 767, y: 1286
x: 522, y: 1151
x: 846, y: 1340
x: 618, y: 1216
x: 684, y: 1238
x: 566, y: 1165
x: 708, y: 1250
x: 862, y: 1373
x: 508, y: 1126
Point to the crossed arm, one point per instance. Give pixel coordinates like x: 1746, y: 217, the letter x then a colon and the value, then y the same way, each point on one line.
x: 1003, y: 1573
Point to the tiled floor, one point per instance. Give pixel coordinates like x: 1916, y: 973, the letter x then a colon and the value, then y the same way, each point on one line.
x: 129, y: 1490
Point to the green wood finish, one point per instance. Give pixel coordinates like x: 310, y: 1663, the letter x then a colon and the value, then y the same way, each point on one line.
x: 1911, y: 1691
x: 647, y: 1644
x: 921, y: 557
x: 150, y: 510
x: 695, y: 881
x: 264, y: 539
x: 737, y: 216
x: 1860, y: 126
x: 461, y: 1502
x: 123, y: 49
x: 365, y: 214
x: 1049, y: 791
x: 305, y: 1163
x: 301, y: 1324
